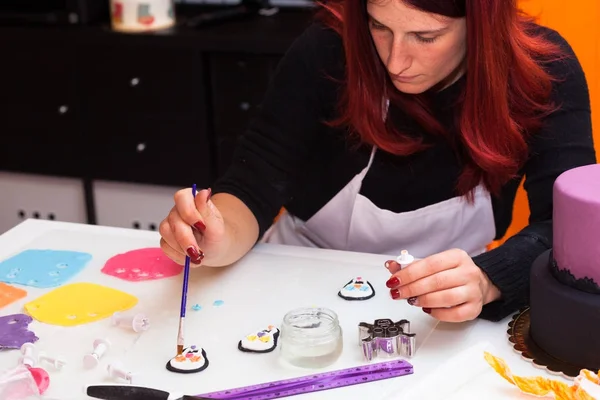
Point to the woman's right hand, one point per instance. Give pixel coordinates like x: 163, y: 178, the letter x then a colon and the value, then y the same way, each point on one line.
x: 194, y: 227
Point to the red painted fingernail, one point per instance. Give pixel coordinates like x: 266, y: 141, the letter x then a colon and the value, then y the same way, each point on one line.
x: 200, y: 226
x: 392, y: 282
x: 192, y: 252
x: 395, y: 293
x: 200, y: 257
x: 412, y: 301
x: 427, y: 310
x: 197, y: 261
x: 195, y: 255
x: 209, y: 195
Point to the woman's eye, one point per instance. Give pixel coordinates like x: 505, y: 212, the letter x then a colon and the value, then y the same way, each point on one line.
x: 426, y: 39
x: 377, y: 26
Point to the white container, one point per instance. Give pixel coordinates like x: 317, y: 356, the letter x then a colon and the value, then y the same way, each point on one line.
x: 133, y: 206
x: 24, y: 196
x: 141, y: 15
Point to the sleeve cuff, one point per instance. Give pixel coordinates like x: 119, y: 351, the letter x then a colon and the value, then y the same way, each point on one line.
x: 508, y: 268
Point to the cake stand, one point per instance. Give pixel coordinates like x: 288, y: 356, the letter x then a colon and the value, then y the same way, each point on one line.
x: 518, y: 335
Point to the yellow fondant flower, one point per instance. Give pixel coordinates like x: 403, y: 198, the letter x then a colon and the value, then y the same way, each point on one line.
x: 587, y: 384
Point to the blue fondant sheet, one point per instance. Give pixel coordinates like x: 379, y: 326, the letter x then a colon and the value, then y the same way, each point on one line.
x: 43, y: 268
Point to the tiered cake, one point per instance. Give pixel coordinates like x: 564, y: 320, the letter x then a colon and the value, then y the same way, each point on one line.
x: 565, y: 281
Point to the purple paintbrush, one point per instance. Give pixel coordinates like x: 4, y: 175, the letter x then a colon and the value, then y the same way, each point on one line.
x: 186, y: 275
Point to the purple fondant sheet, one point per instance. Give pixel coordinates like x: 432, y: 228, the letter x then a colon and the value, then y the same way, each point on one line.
x: 14, y: 331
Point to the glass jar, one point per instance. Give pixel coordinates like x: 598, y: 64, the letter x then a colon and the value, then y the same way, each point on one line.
x: 311, y: 337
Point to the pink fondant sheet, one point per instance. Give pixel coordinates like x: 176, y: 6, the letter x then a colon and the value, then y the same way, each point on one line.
x: 142, y: 265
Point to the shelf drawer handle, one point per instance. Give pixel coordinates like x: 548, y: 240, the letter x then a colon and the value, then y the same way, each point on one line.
x: 140, y: 147
x: 134, y: 82
x: 63, y: 109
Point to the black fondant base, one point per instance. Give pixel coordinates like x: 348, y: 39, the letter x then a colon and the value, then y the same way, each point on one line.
x: 270, y: 349
x: 189, y: 371
x: 565, y: 322
x: 358, y: 298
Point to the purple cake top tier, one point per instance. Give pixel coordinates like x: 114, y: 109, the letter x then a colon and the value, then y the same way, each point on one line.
x: 576, y: 222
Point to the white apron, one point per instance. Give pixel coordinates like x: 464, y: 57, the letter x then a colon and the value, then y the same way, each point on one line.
x: 351, y: 222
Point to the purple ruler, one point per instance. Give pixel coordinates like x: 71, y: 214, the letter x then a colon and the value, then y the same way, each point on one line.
x: 315, y: 382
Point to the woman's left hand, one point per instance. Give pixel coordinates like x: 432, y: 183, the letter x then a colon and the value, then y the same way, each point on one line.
x: 447, y: 285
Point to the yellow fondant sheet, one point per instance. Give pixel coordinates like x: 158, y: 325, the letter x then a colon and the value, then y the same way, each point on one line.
x: 79, y: 303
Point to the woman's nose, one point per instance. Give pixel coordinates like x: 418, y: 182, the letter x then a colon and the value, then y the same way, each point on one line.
x: 399, y: 60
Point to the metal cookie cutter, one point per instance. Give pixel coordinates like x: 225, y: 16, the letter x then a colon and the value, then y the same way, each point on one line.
x: 385, y: 338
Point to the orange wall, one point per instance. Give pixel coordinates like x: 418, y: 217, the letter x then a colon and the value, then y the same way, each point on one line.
x: 578, y: 21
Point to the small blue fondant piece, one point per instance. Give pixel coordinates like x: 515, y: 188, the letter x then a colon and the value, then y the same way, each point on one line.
x: 364, y: 288
x: 196, y: 307
x: 43, y: 268
x: 218, y: 303
x: 350, y: 287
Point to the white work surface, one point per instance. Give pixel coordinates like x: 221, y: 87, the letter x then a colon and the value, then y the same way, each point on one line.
x: 257, y: 291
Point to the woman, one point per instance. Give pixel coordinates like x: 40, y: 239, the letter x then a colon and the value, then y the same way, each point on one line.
x: 394, y: 124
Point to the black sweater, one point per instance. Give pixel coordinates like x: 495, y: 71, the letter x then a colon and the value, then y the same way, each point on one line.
x: 289, y: 158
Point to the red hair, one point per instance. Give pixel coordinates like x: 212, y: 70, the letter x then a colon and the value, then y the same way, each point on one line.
x: 504, y: 100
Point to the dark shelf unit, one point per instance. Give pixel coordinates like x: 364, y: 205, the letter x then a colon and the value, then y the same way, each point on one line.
x: 159, y: 108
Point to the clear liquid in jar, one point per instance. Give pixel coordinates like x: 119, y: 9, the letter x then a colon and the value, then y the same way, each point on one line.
x: 317, y: 356
x: 311, y: 339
